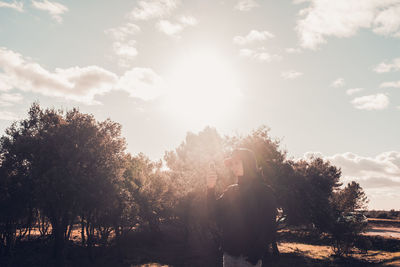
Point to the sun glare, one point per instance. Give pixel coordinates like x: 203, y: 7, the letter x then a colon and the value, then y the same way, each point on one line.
x: 202, y: 86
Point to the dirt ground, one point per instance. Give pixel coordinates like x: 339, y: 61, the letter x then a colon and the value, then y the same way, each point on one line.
x: 315, y: 255
x: 324, y: 252
x: 299, y: 254
x: 320, y: 255
x: 384, y: 227
x: 386, y: 232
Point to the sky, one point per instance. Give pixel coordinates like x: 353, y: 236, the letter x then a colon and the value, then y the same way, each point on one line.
x: 323, y: 75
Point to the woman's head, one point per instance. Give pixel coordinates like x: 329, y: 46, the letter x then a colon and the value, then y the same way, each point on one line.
x: 243, y: 164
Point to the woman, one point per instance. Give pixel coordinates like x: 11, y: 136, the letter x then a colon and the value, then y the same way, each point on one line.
x: 245, y: 212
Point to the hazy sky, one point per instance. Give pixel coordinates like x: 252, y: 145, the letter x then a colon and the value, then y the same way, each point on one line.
x: 323, y: 74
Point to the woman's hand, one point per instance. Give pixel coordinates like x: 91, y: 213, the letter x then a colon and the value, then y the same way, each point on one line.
x: 211, y: 176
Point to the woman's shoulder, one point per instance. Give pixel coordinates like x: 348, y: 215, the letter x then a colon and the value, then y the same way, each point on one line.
x: 230, y: 191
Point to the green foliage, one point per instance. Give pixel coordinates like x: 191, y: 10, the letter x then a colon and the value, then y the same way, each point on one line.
x: 70, y: 162
x: 350, y: 198
x: 150, y: 191
x: 187, y: 167
x: 347, y: 224
x: 189, y: 162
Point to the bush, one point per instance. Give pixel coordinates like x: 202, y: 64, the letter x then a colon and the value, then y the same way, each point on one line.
x: 346, y: 235
x: 383, y: 215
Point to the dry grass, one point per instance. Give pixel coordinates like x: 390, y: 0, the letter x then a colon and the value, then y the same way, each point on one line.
x: 325, y: 253
x: 298, y: 254
x: 312, y: 251
x: 295, y: 253
x: 150, y: 265
x: 386, y: 232
x: 377, y: 221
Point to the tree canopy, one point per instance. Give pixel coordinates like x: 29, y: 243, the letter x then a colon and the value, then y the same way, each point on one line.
x: 66, y: 169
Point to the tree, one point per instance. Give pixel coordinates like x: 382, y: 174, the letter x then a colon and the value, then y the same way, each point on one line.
x: 347, y: 224
x: 73, y: 162
x: 16, y: 199
x: 189, y: 162
x: 150, y: 191
x: 318, y: 180
x: 350, y: 198
x: 187, y: 167
x: 303, y: 188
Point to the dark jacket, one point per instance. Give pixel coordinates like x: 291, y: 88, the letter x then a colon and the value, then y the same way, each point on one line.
x: 246, y: 217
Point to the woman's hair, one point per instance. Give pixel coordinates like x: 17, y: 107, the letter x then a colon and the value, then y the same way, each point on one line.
x: 251, y: 170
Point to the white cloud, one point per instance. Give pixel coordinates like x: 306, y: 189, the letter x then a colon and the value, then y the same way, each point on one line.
x: 387, y: 22
x: 76, y: 83
x: 291, y: 74
x: 379, y: 175
x: 388, y: 67
x: 344, y: 18
x: 391, y: 84
x: 126, y: 51
x: 386, y: 164
x: 188, y: 20
x: 299, y: 1
x: 5, y: 81
x: 246, y: 52
x: 264, y: 56
x: 375, y: 174
x: 8, y: 116
x: 8, y: 100
x: 291, y: 50
x: 252, y: 36
x: 246, y: 5
x: 124, y: 32
x: 124, y: 46
x: 339, y: 82
x: 18, y: 6
x: 353, y: 91
x: 173, y: 29
x: 55, y: 9
x: 259, y: 54
x: 371, y: 102
x: 168, y: 27
x: 153, y: 9
x: 143, y: 83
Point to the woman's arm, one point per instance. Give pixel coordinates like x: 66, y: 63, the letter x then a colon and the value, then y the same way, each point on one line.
x: 266, y: 224
x: 211, y: 198
x: 211, y: 203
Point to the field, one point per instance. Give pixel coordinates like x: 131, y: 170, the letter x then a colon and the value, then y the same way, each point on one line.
x: 317, y: 255
x: 305, y: 251
x: 298, y: 254
x: 384, y: 227
x: 297, y: 248
x: 384, y: 236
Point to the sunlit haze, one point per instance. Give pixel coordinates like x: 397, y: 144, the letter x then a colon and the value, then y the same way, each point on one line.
x: 202, y: 88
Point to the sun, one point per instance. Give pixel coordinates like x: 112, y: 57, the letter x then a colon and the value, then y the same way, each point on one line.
x: 202, y: 86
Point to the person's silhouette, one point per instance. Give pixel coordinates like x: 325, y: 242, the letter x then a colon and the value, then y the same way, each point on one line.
x: 245, y: 213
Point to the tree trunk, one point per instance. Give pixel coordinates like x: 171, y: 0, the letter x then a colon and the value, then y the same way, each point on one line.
x: 71, y: 226
x: 275, y: 250
x: 89, y: 243
x: 10, y: 237
x: 83, y: 231
x: 59, y: 241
